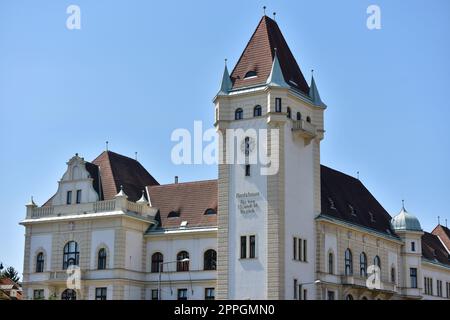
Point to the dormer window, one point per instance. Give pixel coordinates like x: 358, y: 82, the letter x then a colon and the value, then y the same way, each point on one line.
x: 250, y: 74
x: 69, y: 197
x: 210, y: 211
x: 78, y: 196
x: 173, y: 214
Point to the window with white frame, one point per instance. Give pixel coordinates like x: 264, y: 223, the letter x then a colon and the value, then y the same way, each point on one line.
x: 428, y: 285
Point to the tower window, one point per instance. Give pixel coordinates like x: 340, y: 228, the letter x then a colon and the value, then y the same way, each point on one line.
x: 247, y: 170
x: 299, y: 116
x: 413, y: 246
x: 289, y: 114
x: 277, y: 104
x: 40, y: 262
x: 239, y: 114
x: 243, y: 247
x: 252, y: 247
x: 308, y: 119
x: 257, y: 111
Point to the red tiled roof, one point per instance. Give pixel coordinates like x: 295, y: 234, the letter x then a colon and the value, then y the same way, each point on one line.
x: 444, y: 234
x: 258, y: 56
x: 117, y: 170
x: 433, y: 249
x: 190, y: 200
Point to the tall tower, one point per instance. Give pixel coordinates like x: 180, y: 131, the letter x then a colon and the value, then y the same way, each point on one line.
x: 266, y: 228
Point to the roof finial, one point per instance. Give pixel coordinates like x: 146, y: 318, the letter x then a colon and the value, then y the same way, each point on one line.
x: 403, y: 205
x: 446, y: 223
x: 135, y: 155
x: 107, y: 142
x: 274, y: 14
x: 264, y: 10
x: 226, y: 60
x: 439, y: 220
x: 312, y: 72
x: 357, y: 175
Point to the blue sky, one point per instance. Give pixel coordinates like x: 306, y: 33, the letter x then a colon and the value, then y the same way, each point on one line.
x: 137, y: 70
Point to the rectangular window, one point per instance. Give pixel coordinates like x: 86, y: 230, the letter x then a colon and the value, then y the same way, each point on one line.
x: 243, y: 247
x: 100, y: 293
x: 295, y: 290
x: 210, y: 294
x: 182, y: 294
x: 305, y: 294
x: 252, y: 247
x: 447, y: 285
x: 413, y: 277
x: 428, y: 284
x: 38, y: 294
x: 439, y: 288
x: 247, y: 170
x: 300, y: 249
x: 78, y: 196
x: 69, y: 197
x: 295, y: 248
x: 330, y: 295
x: 305, y: 252
x: 277, y: 104
x: 155, y: 294
x: 413, y: 246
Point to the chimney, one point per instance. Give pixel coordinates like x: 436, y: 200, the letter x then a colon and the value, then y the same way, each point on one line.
x: 176, y: 179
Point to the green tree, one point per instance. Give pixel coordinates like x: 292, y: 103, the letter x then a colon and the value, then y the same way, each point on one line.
x: 11, y: 273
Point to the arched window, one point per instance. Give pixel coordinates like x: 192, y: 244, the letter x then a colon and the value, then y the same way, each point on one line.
x: 101, y: 261
x: 157, y: 262
x: 299, y: 116
x: 362, y: 264
x: 308, y: 119
x: 250, y: 74
x: 330, y: 263
x: 289, y: 113
x: 71, y: 255
x: 377, y: 262
x: 69, y: 294
x: 239, y: 114
x: 40, y: 262
x: 393, y: 277
x: 183, y: 261
x: 209, y: 260
x: 349, y: 297
x: 257, y: 111
x: 348, y: 262
x: 210, y: 211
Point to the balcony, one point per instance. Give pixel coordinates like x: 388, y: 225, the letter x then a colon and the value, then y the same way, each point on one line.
x: 115, y: 205
x: 304, y: 129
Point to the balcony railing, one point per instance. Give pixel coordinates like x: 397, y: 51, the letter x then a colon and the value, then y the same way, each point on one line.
x: 304, y: 129
x: 92, y: 207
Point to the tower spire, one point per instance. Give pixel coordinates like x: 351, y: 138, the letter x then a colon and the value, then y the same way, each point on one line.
x: 314, y: 93
x: 276, y: 78
x: 226, y: 85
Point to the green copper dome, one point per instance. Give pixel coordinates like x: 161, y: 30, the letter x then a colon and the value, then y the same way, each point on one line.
x: 405, y: 221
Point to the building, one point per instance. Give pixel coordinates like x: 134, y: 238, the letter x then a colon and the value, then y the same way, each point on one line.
x: 10, y: 290
x: 301, y: 230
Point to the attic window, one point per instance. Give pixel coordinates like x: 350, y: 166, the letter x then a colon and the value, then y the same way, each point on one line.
x: 372, y: 218
x: 250, y: 74
x: 210, y: 211
x: 183, y: 224
x: 352, y: 210
x: 331, y: 203
x: 173, y: 214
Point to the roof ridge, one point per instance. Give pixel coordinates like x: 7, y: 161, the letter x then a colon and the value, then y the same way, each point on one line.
x: 184, y: 183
